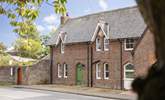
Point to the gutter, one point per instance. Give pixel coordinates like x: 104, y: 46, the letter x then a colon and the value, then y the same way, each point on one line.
x: 51, y: 64
x: 88, y: 64
x: 121, y: 63
x: 91, y: 66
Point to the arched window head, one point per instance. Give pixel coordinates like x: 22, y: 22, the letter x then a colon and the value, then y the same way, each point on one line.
x: 129, y: 71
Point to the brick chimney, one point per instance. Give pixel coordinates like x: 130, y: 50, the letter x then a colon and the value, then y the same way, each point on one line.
x: 64, y: 19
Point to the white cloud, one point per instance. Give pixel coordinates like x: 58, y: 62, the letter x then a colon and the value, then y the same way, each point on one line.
x: 103, y: 4
x: 40, y: 28
x: 50, y: 19
x: 51, y: 27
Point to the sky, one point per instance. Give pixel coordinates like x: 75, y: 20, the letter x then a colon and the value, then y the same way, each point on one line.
x: 48, y: 20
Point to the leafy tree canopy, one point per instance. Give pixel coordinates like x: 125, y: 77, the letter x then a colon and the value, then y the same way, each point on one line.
x: 22, y: 14
x: 2, y: 46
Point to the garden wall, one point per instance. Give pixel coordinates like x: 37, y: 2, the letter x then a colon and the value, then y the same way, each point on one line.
x: 38, y: 73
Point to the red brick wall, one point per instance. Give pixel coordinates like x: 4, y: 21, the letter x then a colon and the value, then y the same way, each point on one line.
x: 77, y: 53
x: 144, y: 54
x: 112, y: 57
x: 74, y: 54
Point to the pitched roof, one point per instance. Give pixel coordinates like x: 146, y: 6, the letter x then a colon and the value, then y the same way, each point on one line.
x: 123, y: 23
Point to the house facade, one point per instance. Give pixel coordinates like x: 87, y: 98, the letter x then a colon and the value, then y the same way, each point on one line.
x: 144, y: 53
x: 96, y: 50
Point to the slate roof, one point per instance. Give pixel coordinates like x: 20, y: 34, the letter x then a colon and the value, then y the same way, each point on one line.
x: 123, y: 23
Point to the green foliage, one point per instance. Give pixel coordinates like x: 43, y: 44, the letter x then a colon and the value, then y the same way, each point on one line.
x: 22, y: 14
x: 26, y: 63
x: 59, y: 6
x: 2, y: 47
x: 4, y: 59
x: 28, y: 48
x: 28, y: 9
x: 25, y: 29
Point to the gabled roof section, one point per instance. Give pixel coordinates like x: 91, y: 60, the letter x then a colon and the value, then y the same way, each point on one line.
x: 103, y: 28
x: 62, y: 37
x: 123, y: 23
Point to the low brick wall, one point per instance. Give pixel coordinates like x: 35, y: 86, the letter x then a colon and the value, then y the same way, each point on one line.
x: 38, y: 73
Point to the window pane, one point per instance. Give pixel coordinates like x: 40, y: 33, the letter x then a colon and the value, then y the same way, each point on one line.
x: 129, y: 43
x: 107, y: 74
x: 98, y: 43
x: 106, y: 67
x: 130, y: 75
x: 59, y: 70
x: 106, y: 71
x: 62, y: 47
x: 65, y: 70
x: 129, y: 67
x: 131, y: 40
x: 106, y: 44
x: 98, y: 71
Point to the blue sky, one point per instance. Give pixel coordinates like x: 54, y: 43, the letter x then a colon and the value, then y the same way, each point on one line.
x: 48, y: 20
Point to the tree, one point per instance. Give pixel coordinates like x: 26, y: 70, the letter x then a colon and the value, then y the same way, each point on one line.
x: 22, y: 13
x: 152, y: 87
x: 2, y: 46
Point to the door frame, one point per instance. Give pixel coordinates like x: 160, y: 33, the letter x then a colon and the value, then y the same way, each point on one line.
x: 127, y: 81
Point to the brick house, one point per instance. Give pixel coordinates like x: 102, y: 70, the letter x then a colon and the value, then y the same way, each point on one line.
x: 96, y: 50
x: 144, y: 53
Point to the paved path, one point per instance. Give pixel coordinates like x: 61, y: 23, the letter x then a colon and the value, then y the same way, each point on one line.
x: 28, y: 94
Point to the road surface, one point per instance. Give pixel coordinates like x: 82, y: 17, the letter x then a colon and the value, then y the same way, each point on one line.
x: 28, y: 94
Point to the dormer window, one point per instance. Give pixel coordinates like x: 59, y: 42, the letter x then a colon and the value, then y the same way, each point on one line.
x: 129, y: 44
x: 62, y: 48
x: 98, y: 44
x: 106, y: 44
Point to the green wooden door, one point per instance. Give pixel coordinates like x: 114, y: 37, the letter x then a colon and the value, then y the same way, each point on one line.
x: 79, y: 76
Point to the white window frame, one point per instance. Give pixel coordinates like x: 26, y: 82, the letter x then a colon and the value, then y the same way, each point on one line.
x: 105, y: 71
x: 62, y: 48
x: 11, y: 71
x: 125, y: 70
x: 106, y: 43
x: 98, y: 70
x: 125, y: 44
x: 65, y: 71
x: 59, y: 71
x: 97, y: 44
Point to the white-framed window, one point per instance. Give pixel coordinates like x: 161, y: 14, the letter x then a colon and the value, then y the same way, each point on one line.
x: 98, y: 71
x: 106, y: 44
x: 129, y: 72
x: 59, y: 70
x: 11, y: 71
x: 106, y: 71
x: 129, y: 44
x: 65, y: 71
x: 62, y: 48
x: 98, y: 44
